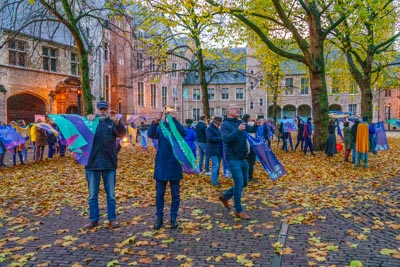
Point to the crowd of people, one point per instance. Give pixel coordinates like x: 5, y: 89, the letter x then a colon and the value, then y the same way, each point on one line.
x: 212, y: 142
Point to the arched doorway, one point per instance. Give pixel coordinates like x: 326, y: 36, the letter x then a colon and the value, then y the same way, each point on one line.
x: 25, y: 107
x: 335, y: 107
x: 304, y: 111
x: 289, y: 111
x: 72, y: 110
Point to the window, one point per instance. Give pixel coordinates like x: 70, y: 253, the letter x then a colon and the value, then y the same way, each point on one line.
x: 223, y: 111
x: 106, y: 51
x: 239, y: 93
x: 174, y: 92
x: 251, y: 105
x: 174, y: 67
x: 388, y: 93
x: 289, y: 86
x: 196, y: 76
x: 139, y: 61
x: 153, y: 95
x: 305, y: 85
x: 164, y: 96
x: 252, y: 85
x: 353, y: 108
x: 212, y: 112
x: 196, y: 94
x: 241, y: 112
x: 49, y: 59
x: 152, y: 65
x: 74, y: 63
x: 261, y: 101
x: 261, y: 81
x: 211, y: 93
x: 106, y: 88
x: 196, y: 114
x: 225, y: 93
x: 140, y: 94
x: 16, y: 53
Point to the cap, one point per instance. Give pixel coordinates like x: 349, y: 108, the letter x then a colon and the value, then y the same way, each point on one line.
x: 217, y: 120
x: 102, y: 104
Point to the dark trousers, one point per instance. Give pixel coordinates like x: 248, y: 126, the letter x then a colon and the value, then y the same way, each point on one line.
x: 251, y: 160
x: 299, y: 141
x: 161, y: 187
x: 308, y: 144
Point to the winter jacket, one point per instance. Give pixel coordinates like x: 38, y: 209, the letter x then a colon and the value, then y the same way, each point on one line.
x: 166, y: 166
x: 214, y: 141
x: 201, y: 132
x: 235, y: 143
x: 103, y: 155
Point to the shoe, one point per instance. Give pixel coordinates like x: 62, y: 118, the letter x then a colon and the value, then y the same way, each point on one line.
x: 242, y: 215
x: 224, y: 201
x: 174, y: 224
x: 91, y: 225
x: 114, y: 224
x: 208, y: 173
x: 158, y: 224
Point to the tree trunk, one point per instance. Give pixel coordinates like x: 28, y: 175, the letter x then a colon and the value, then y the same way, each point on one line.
x: 202, y: 77
x: 366, y: 99
x: 85, y: 83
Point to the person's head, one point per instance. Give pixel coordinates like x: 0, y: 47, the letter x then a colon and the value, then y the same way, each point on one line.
x: 102, y: 106
x: 217, y: 121
x: 203, y: 117
x: 285, y: 117
x: 309, y: 120
x: 189, y: 122
x: 346, y: 124
x: 365, y: 118
x: 232, y: 111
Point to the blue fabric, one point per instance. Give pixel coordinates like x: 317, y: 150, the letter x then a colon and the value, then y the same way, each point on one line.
x: 109, y: 181
x: 288, y: 125
x: 214, y: 141
x: 239, y: 170
x: 10, y: 138
x: 235, y: 144
x: 166, y: 166
x: 190, y: 139
x: 216, y: 162
x: 203, y: 155
x: 161, y: 187
x: 381, y: 142
x: 143, y: 138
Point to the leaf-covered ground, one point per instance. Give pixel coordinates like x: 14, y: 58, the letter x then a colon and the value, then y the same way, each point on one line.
x: 337, y: 213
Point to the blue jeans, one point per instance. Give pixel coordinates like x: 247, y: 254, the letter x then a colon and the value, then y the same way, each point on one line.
x: 109, y: 180
x: 161, y: 186
x: 240, y: 171
x: 353, y: 152
x: 308, y: 144
x: 203, y: 153
x: 216, y: 162
x: 51, y: 150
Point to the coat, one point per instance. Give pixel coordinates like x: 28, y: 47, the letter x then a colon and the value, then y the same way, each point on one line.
x: 347, y: 137
x: 235, y: 142
x: 103, y: 155
x: 201, y: 132
x: 214, y: 141
x: 166, y: 166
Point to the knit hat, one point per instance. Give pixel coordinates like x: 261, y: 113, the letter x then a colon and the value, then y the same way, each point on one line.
x: 102, y: 104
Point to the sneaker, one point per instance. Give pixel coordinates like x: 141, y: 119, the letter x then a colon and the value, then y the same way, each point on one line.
x: 208, y: 173
x: 113, y: 224
x: 174, y: 224
x: 91, y: 225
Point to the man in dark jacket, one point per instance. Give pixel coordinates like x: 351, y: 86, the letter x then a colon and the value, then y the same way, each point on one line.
x: 214, y: 148
x: 166, y: 169
x: 202, y: 144
x: 236, y: 151
x: 103, y: 163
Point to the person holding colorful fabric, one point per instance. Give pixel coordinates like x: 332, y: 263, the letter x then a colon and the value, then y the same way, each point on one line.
x: 354, y: 138
x: 202, y: 144
x: 330, y: 148
x: 362, y: 142
x: 102, y: 162
x: 236, y: 151
x: 307, y: 135
x: 40, y: 142
x: 300, y: 139
x: 347, y: 140
x: 167, y: 169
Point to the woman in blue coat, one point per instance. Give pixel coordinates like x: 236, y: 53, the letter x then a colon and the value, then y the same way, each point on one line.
x: 191, y: 136
x: 166, y: 169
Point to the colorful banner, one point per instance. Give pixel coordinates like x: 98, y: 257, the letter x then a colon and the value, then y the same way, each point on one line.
x: 288, y: 125
x: 267, y: 158
x: 143, y: 135
x: 10, y: 137
x: 381, y: 142
x: 47, y: 127
x: 40, y: 117
x: 79, y: 134
x: 181, y: 149
x: 130, y: 118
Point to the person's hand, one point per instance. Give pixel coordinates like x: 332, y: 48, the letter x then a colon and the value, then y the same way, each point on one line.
x: 242, y: 126
x: 115, y: 119
x: 90, y: 117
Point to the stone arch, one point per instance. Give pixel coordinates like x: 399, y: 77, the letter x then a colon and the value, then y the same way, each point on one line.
x: 335, y: 107
x: 72, y: 109
x: 24, y: 106
x: 304, y: 111
x: 289, y: 111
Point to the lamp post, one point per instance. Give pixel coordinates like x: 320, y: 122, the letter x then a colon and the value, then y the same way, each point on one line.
x: 79, y: 93
x: 119, y: 105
